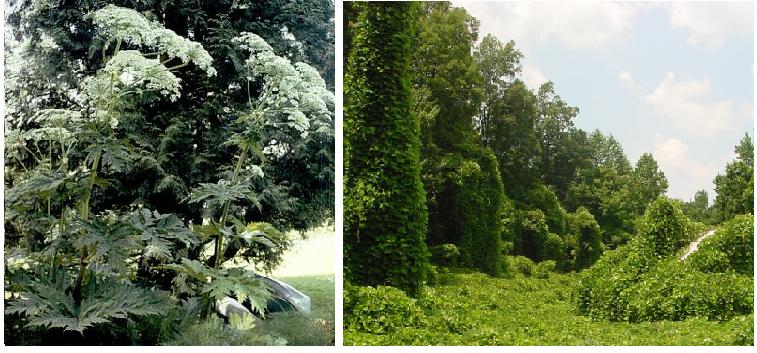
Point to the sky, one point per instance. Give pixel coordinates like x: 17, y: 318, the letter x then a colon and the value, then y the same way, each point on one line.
x: 671, y: 79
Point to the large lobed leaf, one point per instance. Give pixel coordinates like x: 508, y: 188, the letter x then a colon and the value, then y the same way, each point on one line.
x: 50, y: 306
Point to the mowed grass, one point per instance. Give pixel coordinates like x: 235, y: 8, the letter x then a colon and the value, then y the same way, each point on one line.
x: 316, y: 330
x: 475, y: 309
x: 308, y: 267
x: 320, y: 289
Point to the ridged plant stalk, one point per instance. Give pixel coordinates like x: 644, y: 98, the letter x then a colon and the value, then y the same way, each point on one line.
x: 258, y: 112
x: 226, y: 205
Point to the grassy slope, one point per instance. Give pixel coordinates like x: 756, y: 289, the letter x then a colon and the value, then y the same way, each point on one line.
x: 474, y: 309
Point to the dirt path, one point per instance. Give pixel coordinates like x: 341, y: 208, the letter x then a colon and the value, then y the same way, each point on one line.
x: 695, y: 244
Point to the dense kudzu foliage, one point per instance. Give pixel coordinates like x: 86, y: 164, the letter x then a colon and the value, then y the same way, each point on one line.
x: 539, y: 312
x: 467, y: 99
x: 671, y: 291
x: 469, y: 209
x: 730, y: 248
x: 90, y: 260
x: 385, y: 208
x: 665, y: 228
x: 570, y: 201
x: 380, y: 310
x: 646, y: 281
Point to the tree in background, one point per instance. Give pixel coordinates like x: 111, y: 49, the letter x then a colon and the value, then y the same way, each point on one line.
x: 603, y: 186
x: 648, y: 182
x: 385, y: 207
x: 442, y: 62
x: 735, y: 189
x: 699, y: 209
x: 559, y: 156
x: 498, y: 65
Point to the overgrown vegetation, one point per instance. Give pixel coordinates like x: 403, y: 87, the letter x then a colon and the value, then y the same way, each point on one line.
x: 579, y: 245
x: 385, y: 212
x: 646, y: 281
x: 538, y: 312
x: 118, y: 229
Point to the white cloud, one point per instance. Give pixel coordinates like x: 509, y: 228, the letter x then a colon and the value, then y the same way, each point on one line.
x: 533, y: 76
x: 627, y: 80
x: 576, y: 24
x: 685, y: 104
x: 709, y: 24
x: 689, y: 175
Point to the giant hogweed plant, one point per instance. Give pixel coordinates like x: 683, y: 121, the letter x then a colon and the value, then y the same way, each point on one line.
x: 76, y: 268
x: 291, y: 99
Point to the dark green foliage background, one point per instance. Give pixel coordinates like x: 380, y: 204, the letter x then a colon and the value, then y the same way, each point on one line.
x: 164, y: 150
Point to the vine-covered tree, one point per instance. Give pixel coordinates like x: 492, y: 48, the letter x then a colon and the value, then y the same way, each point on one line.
x: 385, y: 206
x: 471, y: 208
x: 588, y: 238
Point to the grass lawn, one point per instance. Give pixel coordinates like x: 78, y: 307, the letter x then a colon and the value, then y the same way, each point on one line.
x: 319, y: 328
x: 475, y: 309
x: 308, y: 266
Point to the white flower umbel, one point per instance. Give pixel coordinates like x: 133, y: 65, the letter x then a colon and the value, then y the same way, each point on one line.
x: 293, y: 95
x: 144, y: 72
x: 127, y: 25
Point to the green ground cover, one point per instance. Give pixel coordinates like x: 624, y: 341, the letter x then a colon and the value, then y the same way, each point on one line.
x: 476, y: 309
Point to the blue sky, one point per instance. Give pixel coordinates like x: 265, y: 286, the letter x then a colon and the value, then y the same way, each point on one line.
x: 672, y: 79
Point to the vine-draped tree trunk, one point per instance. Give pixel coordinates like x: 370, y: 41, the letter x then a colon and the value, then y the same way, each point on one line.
x: 385, y: 209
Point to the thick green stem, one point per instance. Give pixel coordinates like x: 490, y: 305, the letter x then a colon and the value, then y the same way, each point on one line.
x: 84, y: 213
x: 84, y: 208
x: 226, y: 205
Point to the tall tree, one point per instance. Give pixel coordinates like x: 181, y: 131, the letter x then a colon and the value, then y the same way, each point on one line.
x: 553, y: 126
x: 735, y: 189
x: 498, y: 64
x: 443, y: 63
x: 588, y: 238
x: 648, y: 182
x: 385, y: 207
x: 514, y: 141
